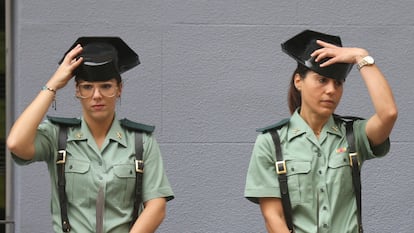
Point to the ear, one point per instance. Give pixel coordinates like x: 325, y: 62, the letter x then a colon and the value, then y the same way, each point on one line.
x: 120, y: 86
x: 297, y: 80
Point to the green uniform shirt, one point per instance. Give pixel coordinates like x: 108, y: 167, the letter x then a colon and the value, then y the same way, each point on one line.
x: 111, y: 168
x: 318, y: 170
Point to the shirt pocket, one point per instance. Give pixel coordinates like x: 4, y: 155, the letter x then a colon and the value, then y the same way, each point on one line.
x: 123, y: 183
x: 299, y: 180
x: 341, y: 179
x: 77, y: 180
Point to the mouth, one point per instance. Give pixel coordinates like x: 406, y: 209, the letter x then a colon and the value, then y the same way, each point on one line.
x: 98, y: 106
x: 328, y: 102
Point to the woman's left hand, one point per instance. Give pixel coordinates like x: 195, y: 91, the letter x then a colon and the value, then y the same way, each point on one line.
x: 337, y: 54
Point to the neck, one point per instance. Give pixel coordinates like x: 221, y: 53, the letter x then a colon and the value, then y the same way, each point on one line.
x: 315, y: 121
x: 99, y: 128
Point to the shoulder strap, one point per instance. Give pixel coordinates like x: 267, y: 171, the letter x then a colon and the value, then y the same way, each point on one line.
x: 355, y: 168
x: 281, y: 170
x: 60, y: 164
x: 139, y: 172
x: 63, y: 123
x: 281, y: 174
x: 138, y: 128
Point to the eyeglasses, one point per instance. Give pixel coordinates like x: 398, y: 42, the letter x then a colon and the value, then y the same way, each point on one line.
x: 87, y: 90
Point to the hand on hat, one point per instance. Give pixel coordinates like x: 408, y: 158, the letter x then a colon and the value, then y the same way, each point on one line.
x: 65, y: 71
x: 338, y: 54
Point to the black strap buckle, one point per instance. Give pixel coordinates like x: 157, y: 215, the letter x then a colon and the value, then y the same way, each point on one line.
x: 61, y: 157
x: 281, y: 167
x: 139, y: 166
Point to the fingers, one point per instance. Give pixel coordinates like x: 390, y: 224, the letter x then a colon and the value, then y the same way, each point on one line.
x: 328, y: 50
x: 65, y: 71
x: 71, y: 56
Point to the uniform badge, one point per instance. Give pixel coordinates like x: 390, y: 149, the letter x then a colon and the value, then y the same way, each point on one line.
x: 341, y: 150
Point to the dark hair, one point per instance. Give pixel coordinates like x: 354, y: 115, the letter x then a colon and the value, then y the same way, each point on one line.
x: 79, y: 78
x: 294, y: 96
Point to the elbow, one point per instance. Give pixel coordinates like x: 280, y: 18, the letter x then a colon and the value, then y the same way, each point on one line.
x: 22, y: 151
x: 391, y: 115
x: 12, y: 144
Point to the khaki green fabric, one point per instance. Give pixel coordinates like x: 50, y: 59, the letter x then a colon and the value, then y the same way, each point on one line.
x: 111, y: 168
x: 318, y: 170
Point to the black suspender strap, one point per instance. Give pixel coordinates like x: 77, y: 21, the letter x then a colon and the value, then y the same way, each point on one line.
x: 60, y: 164
x: 355, y: 166
x: 139, y: 169
x: 281, y: 174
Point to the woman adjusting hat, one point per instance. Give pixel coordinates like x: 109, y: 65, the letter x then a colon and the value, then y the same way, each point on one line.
x: 105, y: 165
x: 304, y: 162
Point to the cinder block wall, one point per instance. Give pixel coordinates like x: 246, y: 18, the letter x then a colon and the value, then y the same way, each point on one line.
x: 212, y: 72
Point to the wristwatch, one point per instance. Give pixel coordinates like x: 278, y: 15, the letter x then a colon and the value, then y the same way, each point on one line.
x: 366, y: 61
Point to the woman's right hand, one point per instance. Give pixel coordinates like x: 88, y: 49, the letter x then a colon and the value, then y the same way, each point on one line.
x: 65, y: 71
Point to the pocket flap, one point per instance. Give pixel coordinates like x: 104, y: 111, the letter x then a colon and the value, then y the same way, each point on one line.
x: 298, y: 167
x: 124, y: 170
x: 339, y: 160
x: 77, y: 166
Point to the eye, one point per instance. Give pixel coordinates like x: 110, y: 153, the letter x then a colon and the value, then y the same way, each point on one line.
x: 339, y: 83
x: 86, y: 87
x: 106, y: 86
x: 322, y: 80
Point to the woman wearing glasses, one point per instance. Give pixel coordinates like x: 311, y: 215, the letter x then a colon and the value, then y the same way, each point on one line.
x: 99, y: 164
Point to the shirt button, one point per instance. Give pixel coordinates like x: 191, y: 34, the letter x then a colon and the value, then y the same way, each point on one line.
x: 100, y: 163
x: 322, y: 190
x: 325, y: 225
x: 320, y: 172
x: 324, y: 208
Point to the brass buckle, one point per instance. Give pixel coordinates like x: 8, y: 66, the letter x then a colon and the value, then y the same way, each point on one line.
x: 351, y: 157
x: 139, y: 166
x: 62, y: 157
x: 281, y: 167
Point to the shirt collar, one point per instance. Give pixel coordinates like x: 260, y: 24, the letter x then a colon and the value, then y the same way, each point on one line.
x: 298, y: 126
x: 115, y: 133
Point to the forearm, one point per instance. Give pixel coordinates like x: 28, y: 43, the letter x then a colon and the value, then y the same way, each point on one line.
x: 152, y: 216
x: 272, y: 211
x: 23, y: 133
x: 381, y: 123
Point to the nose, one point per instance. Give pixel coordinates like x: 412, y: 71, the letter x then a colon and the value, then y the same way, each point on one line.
x: 96, y: 93
x: 331, y: 86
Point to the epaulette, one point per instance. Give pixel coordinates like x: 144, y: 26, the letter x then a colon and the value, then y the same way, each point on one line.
x: 64, y: 121
x: 278, y: 125
x: 346, y: 118
x: 136, y: 126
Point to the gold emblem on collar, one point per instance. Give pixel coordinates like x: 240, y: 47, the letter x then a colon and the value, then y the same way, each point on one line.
x: 79, y: 135
x: 296, y: 131
x: 118, y: 135
x: 335, y: 128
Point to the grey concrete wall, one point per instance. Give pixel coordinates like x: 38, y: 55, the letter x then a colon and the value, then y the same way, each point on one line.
x: 212, y: 72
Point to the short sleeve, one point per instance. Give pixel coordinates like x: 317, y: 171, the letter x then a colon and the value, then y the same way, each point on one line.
x: 155, y: 181
x: 45, y: 144
x: 362, y: 143
x: 261, y: 179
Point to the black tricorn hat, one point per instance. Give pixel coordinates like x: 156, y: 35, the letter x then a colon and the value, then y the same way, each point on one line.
x: 104, y: 58
x: 301, y: 46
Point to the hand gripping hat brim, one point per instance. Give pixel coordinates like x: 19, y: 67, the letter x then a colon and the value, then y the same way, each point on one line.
x: 104, y: 58
x: 301, y: 46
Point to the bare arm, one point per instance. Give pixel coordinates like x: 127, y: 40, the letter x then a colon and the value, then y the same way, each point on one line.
x: 380, y: 124
x: 151, y: 217
x: 272, y: 211
x: 23, y: 132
